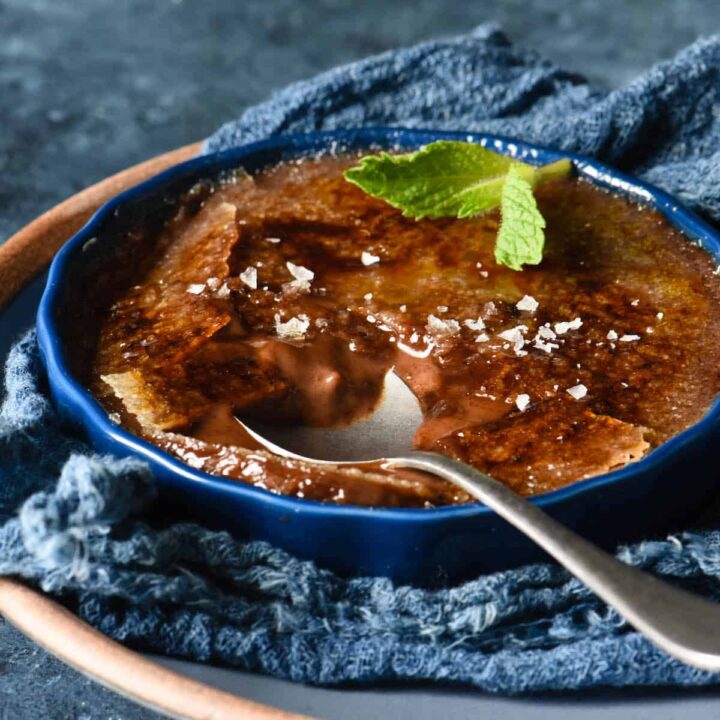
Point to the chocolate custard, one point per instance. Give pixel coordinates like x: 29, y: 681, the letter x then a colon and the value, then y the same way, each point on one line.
x: 289, y: 295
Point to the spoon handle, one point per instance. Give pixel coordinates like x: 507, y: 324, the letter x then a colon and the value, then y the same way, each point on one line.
x: 684, y: 625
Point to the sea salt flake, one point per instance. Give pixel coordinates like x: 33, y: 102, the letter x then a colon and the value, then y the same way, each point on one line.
x: 545, y: 333
x: 223, y: 292
x: 515, y: 336
x: 195, y: 288
x: 302, y: 276
x: 292, y: 329
x: 578, y: 391
x: 562, y: 327
x: 612, y: 335
x: 367, y: 296
x: 442, y: 308
x: 272, y: 240
x: 513, y: 333
x: 481, y: 338
x: 528, y: 304
x: 489, y: 308
x: 403, y: 308
x: 629, y: 338
x: 635, y: 302
x: 250, y: 277
x: 474, y: 325
x: 299, y: 272
x: 436, y: 326
x: 368, y: 258
x: 547, y: 347
x: 213, y: 283
x: 660, y: 315
x: 522, y: 402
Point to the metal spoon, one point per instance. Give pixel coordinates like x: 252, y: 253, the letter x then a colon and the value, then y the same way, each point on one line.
x: 684, y: 625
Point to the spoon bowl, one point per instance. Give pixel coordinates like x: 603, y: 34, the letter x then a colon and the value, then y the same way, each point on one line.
x: 387, y: 432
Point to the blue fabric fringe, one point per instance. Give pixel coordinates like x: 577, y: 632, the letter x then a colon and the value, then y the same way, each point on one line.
x: 72, y: 521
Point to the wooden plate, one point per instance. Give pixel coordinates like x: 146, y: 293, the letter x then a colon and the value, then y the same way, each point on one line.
x: 22, y: 257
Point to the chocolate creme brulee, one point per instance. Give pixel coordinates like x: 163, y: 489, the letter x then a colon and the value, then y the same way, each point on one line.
x: 290, y: 294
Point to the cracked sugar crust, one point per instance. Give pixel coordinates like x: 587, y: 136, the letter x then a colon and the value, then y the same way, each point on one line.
x: 524, y: 374
x: 172, y: 310
x: 555, y: 438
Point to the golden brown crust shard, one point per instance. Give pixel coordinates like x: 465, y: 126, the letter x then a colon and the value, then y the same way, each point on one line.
x: 556, y: 439
x: 172, y: 311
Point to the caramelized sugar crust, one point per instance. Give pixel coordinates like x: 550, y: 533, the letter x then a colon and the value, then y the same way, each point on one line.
x: 626, y: 320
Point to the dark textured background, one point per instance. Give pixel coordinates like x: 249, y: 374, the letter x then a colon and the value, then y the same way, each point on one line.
x: 88, y: 87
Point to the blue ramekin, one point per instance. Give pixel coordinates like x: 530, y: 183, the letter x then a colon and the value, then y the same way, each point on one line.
x: 427, y: 547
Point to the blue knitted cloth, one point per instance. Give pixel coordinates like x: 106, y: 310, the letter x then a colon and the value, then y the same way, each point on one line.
x: 72, y: 522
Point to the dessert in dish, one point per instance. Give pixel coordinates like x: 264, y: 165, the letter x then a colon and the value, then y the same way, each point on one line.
x: 289, y: 295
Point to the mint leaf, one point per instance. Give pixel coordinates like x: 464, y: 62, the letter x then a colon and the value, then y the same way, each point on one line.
x: 520, y: 239
x: 444, y: 179
x: 458, y: 179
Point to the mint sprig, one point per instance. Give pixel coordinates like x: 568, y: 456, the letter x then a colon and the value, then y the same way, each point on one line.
x: 521, y: 237
x: 459, y: 179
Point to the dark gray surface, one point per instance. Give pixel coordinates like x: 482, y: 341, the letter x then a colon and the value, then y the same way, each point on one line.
x: 90, y: 86
x: 453, y: 703
x: 34, y: 685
